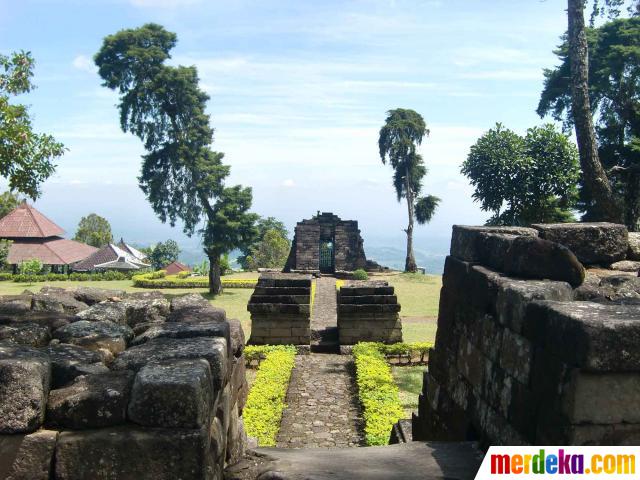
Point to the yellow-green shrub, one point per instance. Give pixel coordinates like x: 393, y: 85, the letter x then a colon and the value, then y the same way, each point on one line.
x: 265, y: 403
x: 378, y: 393
x: 152, y: 280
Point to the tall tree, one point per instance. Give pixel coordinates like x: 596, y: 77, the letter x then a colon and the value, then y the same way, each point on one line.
x: 263, y: 225
x: 163, y: 253
x: 524, y: 180
x: 614, y: 91
x: 94, y: 230
x: 26, y: 157
x: 596, y: 182
x: 270, y: 252
x: 9, y: 201
x: 398, y: 141
x: 181, y: 176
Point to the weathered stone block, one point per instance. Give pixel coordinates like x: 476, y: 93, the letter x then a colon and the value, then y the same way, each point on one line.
x: 186, y: 330
x: 61, y: 302
x: 176, y: 394
x: 605, y: 399
x: 15, y: 304
x: 514, y: 296
x: 132, y: 453
x: 93, y: 295
x: 69, y: 361
x: 471, y: 364
x: 143, y: 310
x: 633, y: 251
x: 593, y: 336
x: 91, y: 401
x: 25, y: 333
x: 593, y: 243
x: 106, y: 311
x: 214, y: 350
x: 27, y: 457
x: 25, y: 376
x: 516, y: 356
x: 467, y: 243
x: 98, y: 335
x: 532, y: 257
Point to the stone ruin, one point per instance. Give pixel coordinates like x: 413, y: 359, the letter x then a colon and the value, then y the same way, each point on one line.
x: 368, y: 312
x: 280, y: 308
x: 115, y: 385
x: 327, y: 244
x: 531, y: 347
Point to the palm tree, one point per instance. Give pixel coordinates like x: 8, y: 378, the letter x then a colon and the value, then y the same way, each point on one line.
x: 399, y: 138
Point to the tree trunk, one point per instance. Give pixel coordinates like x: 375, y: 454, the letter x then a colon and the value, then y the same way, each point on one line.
x: 595, y: 178
x: 215, y: 283
x: 410, y: 261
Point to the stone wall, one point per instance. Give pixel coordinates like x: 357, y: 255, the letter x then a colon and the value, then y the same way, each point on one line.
x: 116, y: 385
x: 348, y: 244
x: 531, y: 348
x: 368, y: 312
x: 280, y: 310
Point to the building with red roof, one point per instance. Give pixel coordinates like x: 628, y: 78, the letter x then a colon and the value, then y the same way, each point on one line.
x: 176, y: 267
x: 34, y: 236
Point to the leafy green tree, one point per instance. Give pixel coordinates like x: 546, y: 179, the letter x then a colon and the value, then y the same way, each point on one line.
x: 399, y: 138
x: 271, y: 252
x: 26, y: 157
x: 163, y: 253
x: 31, y: 267
x: 181, y: 176
x: 263, y: 225
x: 524, y: 180
x: 4, y: 252
x: 9, y: 201
x: 614, y: 93
x: 94, y: 230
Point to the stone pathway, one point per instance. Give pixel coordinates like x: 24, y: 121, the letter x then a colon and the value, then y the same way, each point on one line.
x: 324, y: 320
x: 322, y: 404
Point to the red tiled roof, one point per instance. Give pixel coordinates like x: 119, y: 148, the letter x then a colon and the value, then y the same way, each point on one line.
x: 55, y: 251
x: 27, y: 222
x: 176, y: 267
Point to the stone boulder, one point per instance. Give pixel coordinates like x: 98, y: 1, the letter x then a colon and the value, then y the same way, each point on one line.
x: 25, y: 376
x: 186, y: 330
x: 92, y: 295
x: 633, y: 252
x: 27, y: 457
x: 174, y: 394
x: 189, y: 301
x: 626, y: 266
x: 470, y: 243
x: 129, y: 453
x: 592, y: 243
x: 106, y: 311
x: 15, y: 304
x: 70, y: 361
x: 60, y: 301
x: 532, y: 257
x: 623, y: 289
x: 146, y: 309
x: 214, y: 350
x: 25, y: 333
x: 106, y: 336
x: 238, y: 340
x: 91, y: 401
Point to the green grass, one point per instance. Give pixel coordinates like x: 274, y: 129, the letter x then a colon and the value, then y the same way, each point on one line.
x: 233, y: 300
x: 409, y: 381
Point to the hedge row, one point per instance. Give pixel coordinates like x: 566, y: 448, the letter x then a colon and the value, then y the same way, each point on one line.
x: 378, y: 393
x: 265, y: 403
x: 406, y: 351
x: 63, y: 277
x: 161, y: 280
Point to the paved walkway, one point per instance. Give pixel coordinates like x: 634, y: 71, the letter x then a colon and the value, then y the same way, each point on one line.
x: 324, y: 320
x: 322, y: 404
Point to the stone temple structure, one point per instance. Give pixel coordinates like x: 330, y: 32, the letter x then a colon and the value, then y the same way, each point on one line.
x: 327, y: 244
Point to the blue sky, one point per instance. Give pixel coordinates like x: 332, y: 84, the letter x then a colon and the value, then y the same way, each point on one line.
x: 298, y: 92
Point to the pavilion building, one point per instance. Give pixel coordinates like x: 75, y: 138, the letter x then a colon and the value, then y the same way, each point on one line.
x: 34, y: 236
x: 121, y: 257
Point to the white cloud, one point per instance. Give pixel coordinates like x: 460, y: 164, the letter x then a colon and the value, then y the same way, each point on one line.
x: 288, y: 183
x: 84, y: 63
x: 511, y: 74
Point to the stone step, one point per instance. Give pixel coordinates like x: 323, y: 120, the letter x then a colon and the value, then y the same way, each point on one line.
x: 297, y: 299
x: 368, y: 299
x: 407, y: 461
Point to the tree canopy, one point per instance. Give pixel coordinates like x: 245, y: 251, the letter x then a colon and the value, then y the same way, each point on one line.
x: 26, y: 157
x: 163, y: 253
x: 94, y: 230
x: 9, y: 201
x: 398, y: 142
x: 614, y: 94
x: 263, y: 225
x: 182, y: 177
x: 524, y: 180
x: 270, y: 252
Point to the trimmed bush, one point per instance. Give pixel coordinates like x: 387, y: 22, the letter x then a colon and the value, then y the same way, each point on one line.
x: 265, y: 403
x: 73, y: 277
x: 5, y: 276
x: 378, y: 393
x: 360, y: 274
x: 154, y: 280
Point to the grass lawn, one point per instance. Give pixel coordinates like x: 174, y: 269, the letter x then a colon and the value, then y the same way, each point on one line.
x: 419, y: 296
x: 409, y: 381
